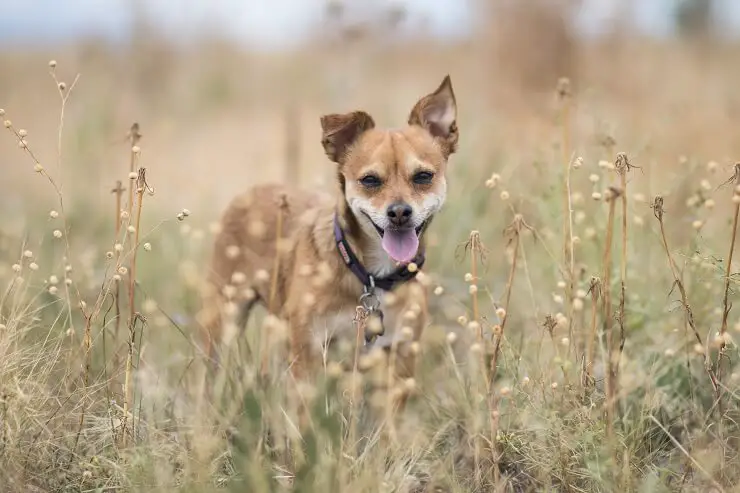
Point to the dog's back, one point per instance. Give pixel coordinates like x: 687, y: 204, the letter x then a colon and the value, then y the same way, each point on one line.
x: 243, y: 257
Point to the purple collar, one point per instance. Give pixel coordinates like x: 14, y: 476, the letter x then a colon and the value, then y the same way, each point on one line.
x: 401, y: 275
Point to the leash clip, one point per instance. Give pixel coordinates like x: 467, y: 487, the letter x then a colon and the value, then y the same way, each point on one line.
x: 370, y: 307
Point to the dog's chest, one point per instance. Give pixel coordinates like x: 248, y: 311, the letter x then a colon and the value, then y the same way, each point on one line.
x: 339, y: 324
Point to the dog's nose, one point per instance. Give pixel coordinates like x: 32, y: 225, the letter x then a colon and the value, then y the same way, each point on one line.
x: 399, y: 213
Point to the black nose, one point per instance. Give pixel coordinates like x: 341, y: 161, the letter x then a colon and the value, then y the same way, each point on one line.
x: 399, y: 213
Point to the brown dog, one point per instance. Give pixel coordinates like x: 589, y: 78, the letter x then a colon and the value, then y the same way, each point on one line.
x: 337, y: 257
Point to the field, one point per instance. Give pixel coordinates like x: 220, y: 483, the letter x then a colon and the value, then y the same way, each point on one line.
x: 583, y: 329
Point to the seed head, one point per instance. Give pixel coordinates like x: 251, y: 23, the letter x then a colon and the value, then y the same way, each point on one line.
x: 412, y: 267
x: 118, y: 247
x: 505, y: 391
x: 33, y: 266
x: 578, y: 162
x: 501, y: 313
x: 16, y: 268
x: 53, y: 214
x: 504, y: 195
x: 476, y: 348
x: 122, y: 270
x: 133, y: 175
x: 148, y: 247
x: 52, y: 64
x: 554, y: 385
x: 496, y: 329
x: 116, y: 278
x: 62, y: 86
x: 697, y: 224
x: 68, y: 281
x: 473, y: 289
x: 375, y: 326
x: 736, y: 199
x: 2, y: 112
x: 38, y: 168
x: 136, y: 150
x: 557, y: 299
x: 262, y: 275
x: 462, y: 319
x: 493, y: 180
x: 705, y: 185
x: 28, y: 254
x: 7, y: 124
x: 409, y: 385
x: 53, y: 290
x: 22, y: 132
x: 131, y: 230
x: 562, y: 284
x: 525, y: 381
x: 578, y: 304
x: 232, y: 251
x: 564, y: 341
x: 594, y: 178
x: 390, y: 299
x: 334, y: 370
x: 407, y: 333
x: 473, y: 326
x: 699, y: 348
x: 53, y: 280
x: 439, y: 290
x: 185, y: 212
x: 451, y: 337
x: 596, y: 196
x: 468, y: 277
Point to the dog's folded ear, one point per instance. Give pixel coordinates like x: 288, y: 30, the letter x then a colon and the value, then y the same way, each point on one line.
x: 339, y: 132
x: 437, y: 112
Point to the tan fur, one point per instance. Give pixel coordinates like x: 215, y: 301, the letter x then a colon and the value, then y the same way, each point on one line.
x: 314, y: 287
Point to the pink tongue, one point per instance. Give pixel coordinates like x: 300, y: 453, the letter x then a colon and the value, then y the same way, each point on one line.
x: 401, y: 245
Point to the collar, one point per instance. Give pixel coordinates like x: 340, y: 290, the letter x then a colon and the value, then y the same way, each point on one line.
x: 369, y: 282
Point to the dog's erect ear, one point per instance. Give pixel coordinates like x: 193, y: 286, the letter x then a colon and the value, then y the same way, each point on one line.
x: 437, y: 112
x: 339, y: 132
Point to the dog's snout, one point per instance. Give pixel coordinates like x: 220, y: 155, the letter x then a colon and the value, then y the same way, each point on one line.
x: 399, y: 213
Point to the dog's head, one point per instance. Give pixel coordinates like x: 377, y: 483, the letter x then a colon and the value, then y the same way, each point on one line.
x: 394, y: 181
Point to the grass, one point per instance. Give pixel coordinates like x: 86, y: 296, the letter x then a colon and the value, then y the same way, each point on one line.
x: 564, y: 354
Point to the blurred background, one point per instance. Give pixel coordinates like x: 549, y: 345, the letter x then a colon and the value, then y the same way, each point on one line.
x: 229, y: 93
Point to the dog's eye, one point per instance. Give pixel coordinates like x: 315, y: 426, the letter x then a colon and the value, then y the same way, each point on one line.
x: 423, y: 178
x: 370, y: 181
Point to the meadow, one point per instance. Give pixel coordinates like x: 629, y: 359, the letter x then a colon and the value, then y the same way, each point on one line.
x: 580, y: 276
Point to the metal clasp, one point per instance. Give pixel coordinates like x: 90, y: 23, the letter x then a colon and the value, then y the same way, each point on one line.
x: 370, y: 307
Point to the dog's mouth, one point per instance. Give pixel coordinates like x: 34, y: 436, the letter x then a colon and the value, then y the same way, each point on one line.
x: 401, y: 244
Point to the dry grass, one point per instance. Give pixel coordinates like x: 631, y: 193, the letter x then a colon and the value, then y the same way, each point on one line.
x: 522, y: 383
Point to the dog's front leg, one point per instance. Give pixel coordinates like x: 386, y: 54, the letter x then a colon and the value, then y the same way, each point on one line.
x: 300, y: 341
x: 414, y: 316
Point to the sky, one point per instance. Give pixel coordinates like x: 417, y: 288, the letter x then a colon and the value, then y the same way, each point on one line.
x: 276, y: 23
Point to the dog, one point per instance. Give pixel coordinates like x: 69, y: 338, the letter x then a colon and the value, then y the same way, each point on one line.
x: 319, y: 262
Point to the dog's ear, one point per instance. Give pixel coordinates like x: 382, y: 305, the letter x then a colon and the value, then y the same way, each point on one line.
x: 339, y: 132
x: 437, y: 112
